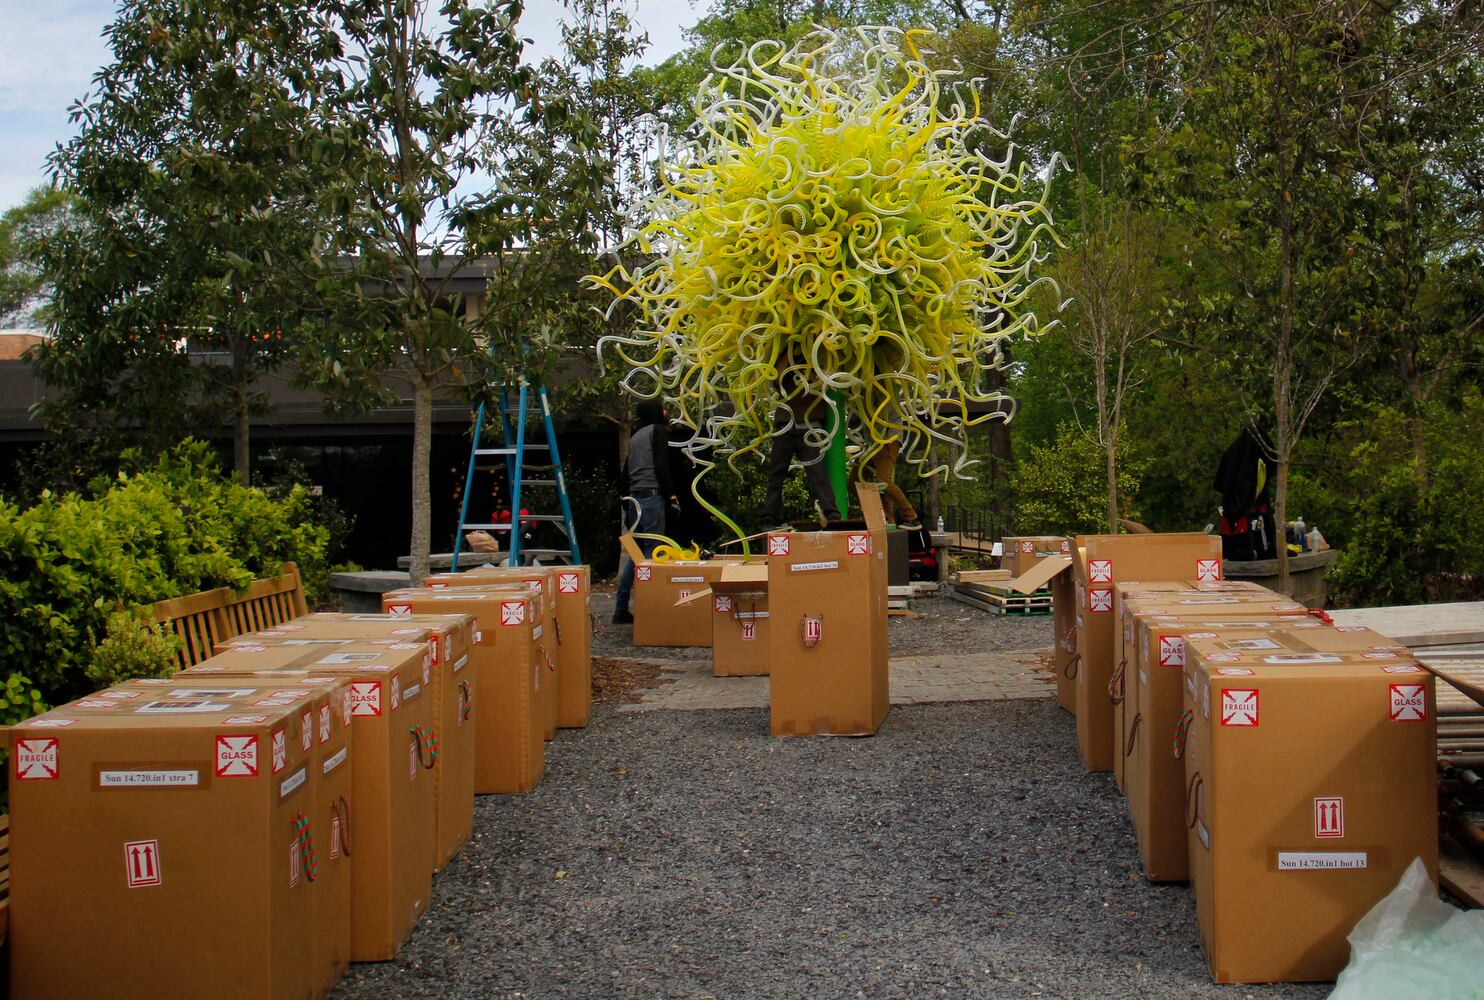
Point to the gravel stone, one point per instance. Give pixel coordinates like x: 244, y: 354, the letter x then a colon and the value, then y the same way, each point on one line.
x: 961, y: 852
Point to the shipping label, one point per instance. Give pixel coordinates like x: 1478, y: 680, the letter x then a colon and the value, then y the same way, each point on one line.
x: 807, y: 567
x: 37, y: 759
x: 180, y: 707
x: 460, y: 663
x: 1314, y: 861
x: 334, y: 760
x: 413, y: 690
x: 142, y: 863
x: 347, y: 659
x: 173, y: 777
x: 236, y: 756
x: 293, y: 782
x: 687, y: 579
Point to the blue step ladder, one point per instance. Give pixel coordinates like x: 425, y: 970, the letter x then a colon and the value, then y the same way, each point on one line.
x: 514, y: 449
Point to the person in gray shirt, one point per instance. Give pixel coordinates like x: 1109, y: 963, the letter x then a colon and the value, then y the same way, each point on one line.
x: 648, y: 491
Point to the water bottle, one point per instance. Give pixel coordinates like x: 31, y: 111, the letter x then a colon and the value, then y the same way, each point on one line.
x: 940, y: 524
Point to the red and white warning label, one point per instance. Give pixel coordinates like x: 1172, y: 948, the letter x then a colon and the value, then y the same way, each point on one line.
x: 306, y: 731
x: 813, y: 630
x: 324, y: 723
x: 412, y: 761
x: 1100, y: 599
x: 1239, y: 707
x: 280, y: 750
x: 1208, y: 570
x: 1171, y: 651
x: 142, y: 863
x: 778, y: 545
x: 396, y: 693
x: 1408, y: 702
x: 365, y: 698
x: 1329, y: 817
x: 294, y: 854
x: 858, y: 545
x: 749, y: 631
x: 642, y: 573
x: 512, y: 612
x: 722, y: 603
x: 334, y: 837
x: 1100, y: 571
x: 37, y: 759
x: 236, y: 756
x: 567, y: 583
x: 1028, y: 546
x: 399, y: 609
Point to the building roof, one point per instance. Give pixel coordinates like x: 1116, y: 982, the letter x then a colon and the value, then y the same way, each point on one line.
x: 13, y: 343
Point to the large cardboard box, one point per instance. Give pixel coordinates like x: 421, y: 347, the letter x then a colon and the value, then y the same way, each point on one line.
x: 511, y: 664
x: 1064, y: 617
x: 128, y: 805
x: 739, y: 626
x: 452, y: 683
x: 1121, y: 691
x: 1022, y: 552
x: 572, y: 587
x: 1311, y: 788
x: 828, y: 641
x: 1102, y: 561
x: 662, y: 614
x: 393, y: 720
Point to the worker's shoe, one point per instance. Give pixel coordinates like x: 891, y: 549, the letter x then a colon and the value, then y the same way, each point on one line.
x: 913, y: 525
x: 622, y: 616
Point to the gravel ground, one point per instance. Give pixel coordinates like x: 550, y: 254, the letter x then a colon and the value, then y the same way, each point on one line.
x: 942, y: 625
x: 962, y: 852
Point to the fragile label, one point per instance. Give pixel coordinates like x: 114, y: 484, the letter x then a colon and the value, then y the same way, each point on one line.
x: 37, y: 759
x: 1099, y: 599
x: 334, y: 760
x: 512, y: 612
x: 567, y: 583
x: 809, y: 566
x: 1208, y: 570
x: 162, y: 778
x: 244, y: 720
x: 365, y: 698
x: 1405, y: 668
x: 280, y: 750
x: 306, y: 731
x: 1234, y: 672
x: 396, y: 693
x: 1329, y: 817
x: 642, y: 573
x: 1408, y: 702
x: 119, y: 695
x: 1314, y: 861
x: 180, y: 707
x: 1171, y: 651
x: 778, y: 545
x: 721, y: 603
x: 1239, y: 707
x: 292, y: 783
x: 236, y: 756
x: 142, y: 863
x: 50, y: 723
x: 1100, y: 571
x: 858, y: 545
x: 1028, y: 546
x: 399, y: 609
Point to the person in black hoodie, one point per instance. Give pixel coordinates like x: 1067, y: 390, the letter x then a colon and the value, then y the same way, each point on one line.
x: 648, y: 491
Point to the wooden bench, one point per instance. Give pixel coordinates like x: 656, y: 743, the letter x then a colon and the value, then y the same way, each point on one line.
x: 203, y: 621
x: 200, y: 621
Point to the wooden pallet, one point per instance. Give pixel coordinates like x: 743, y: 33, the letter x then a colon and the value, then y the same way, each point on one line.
x: 1461, y: 873
x: 1019, y: 605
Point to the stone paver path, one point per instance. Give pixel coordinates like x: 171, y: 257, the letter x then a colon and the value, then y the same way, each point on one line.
x: 915, y: 680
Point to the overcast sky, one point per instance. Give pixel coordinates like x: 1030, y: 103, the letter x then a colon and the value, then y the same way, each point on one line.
x: 50, y: 50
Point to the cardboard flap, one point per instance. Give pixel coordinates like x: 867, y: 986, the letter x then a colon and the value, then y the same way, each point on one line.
x: 1040, y: 574
x: 871, y: 510
x: 632, y: 548
x: 1466, y: 685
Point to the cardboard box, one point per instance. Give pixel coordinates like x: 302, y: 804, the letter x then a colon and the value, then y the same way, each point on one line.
x: 1104, y: 560
x: 1023, y: 552
x: 178, y: 792
x: 1065, y: 659
x: 660, y: 619
x: 511, y: 665
x: 391, y: 830
x: 739, y: 625
x: 1312, y: 787
x: 449, y: 638
x: 828, y: 635
x: 1121, y: 692
x: 572, y: 587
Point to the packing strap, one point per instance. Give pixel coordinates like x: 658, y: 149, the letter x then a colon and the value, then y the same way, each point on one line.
x: 1133, y: 734
x: 1182, y: 734
x: 466, y: 701
x: 306, y: 846
x: 556, y: 624
x: 1070, y: 670
x: 1193, y: 800
x: 546, y: 658
x: 1322, y: 615
x: 341, y: 811
x: 1116, y: 682
x: 427, y: 747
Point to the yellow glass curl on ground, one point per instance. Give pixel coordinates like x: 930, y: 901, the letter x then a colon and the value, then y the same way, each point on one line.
x: 836, y: 231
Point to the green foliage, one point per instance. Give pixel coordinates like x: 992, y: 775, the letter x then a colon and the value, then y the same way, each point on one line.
x: 22, y: 230
x: 19, y: 700
x: 133, y: 647
x: 1061, y: 488
x: 160, y: 531
x: 741, y: 494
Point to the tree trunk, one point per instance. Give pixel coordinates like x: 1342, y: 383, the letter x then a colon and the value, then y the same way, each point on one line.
x: 1283, y: 387
x: 1280, y: 517
x: 422, y: 453
x: 241, y: 426
x: 1110, y: 451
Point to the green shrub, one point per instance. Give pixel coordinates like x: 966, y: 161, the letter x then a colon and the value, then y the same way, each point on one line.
x: 1061, y: 488
x: 19, y: 700
x: 153, y: 532
x: 133, y: 647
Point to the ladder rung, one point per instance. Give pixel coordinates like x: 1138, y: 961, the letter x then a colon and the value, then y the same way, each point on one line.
x: 559, y: 519
x: 563, y: 553
x: 505, y: 526
x: 509, y: 451
x: 538, y: 482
